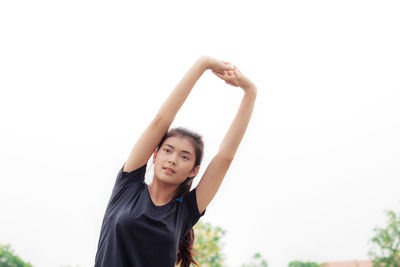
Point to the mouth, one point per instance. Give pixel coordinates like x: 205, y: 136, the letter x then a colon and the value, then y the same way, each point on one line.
x: 169, y: 170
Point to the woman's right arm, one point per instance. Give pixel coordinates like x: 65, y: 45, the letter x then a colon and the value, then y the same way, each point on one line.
x: 148, y: 141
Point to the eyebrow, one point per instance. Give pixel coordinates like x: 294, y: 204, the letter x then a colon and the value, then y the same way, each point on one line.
x: 184, y: 151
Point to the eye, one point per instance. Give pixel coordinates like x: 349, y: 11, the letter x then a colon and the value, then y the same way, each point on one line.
x: 185, y: 158
x: 166, y: 149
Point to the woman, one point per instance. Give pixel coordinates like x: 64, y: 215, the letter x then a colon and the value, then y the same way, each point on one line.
x: 151, y: 225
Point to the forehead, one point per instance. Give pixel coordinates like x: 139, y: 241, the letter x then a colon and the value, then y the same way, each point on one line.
x: 180, y: 143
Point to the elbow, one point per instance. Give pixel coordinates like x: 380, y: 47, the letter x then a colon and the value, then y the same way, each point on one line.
x: 225, y: 159
x: 163, y: 120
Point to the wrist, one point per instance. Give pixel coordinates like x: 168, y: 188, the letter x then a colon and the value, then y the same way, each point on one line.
x: 250, y: 89
x: 205, y: 62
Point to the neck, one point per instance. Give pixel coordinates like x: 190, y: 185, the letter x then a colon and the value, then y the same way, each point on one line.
x: 161, y: 193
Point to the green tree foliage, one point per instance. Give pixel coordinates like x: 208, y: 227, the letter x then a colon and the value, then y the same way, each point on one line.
x: 256, y: 261
x: 385, y: 244
x: 8, y: 259
x: 208, y: 245
x: 303, y: 264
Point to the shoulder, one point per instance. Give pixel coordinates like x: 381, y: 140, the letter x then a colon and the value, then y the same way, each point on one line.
x: 136, y: 175
x: 190, y: 201
x: 191, y: 211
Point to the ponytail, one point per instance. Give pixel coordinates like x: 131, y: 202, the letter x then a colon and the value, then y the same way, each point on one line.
x: 186, y: 250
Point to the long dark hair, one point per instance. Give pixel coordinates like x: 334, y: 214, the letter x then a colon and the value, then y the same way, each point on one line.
x: 185, y: 252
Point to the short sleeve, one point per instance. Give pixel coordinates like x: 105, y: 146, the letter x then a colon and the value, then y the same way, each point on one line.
x: 125, y: 179
x: 190, y: 202
x: 132, y: 176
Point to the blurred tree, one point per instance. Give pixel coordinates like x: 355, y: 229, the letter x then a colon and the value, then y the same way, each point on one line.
x: 385, y: 248
x: 208, y: 245
x: 8, y: 259
x: 256, y: 261
x: 303, y: 264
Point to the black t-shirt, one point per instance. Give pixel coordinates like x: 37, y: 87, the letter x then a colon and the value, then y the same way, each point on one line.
x: 137, y: 233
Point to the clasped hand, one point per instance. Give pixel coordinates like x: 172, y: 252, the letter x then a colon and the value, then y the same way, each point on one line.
x: 228, y: 72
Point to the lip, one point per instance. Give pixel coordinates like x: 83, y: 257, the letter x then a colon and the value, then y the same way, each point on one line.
x: 166, y: 168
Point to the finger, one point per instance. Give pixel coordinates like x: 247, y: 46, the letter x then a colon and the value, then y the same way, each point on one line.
x: 219, y: 75
x: 217, y: 72
x: 231, y: 83
x: 228, y: 75
x: 226, y: 78
x: 228, y: 64
x: 237, y: 72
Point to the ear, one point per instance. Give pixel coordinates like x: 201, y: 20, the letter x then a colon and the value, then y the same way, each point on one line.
x: 194, y: 172
x: 154, y: 155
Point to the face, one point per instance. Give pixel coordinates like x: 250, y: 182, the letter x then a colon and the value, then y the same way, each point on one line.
x: 178, y: 154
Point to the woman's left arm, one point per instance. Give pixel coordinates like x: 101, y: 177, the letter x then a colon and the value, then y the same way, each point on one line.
x: 219, y: 165
x: 236, y: 131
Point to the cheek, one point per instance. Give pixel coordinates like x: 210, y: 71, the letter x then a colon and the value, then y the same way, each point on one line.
x: 160, y: 157
x: 157, y: 164
x: 188, y: 167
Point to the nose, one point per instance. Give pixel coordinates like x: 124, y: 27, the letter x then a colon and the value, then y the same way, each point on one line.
x: 172, y: 160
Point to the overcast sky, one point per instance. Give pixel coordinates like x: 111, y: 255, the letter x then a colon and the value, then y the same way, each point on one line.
x: 317, y: 167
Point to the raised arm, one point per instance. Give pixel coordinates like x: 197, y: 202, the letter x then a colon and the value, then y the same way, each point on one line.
x: 219, y: 165
x: 152, y: 135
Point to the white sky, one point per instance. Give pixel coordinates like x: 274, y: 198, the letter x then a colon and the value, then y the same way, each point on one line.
x: 318, y: 165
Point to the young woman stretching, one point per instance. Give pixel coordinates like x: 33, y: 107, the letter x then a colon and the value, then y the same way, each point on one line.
x: 151, y: 225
